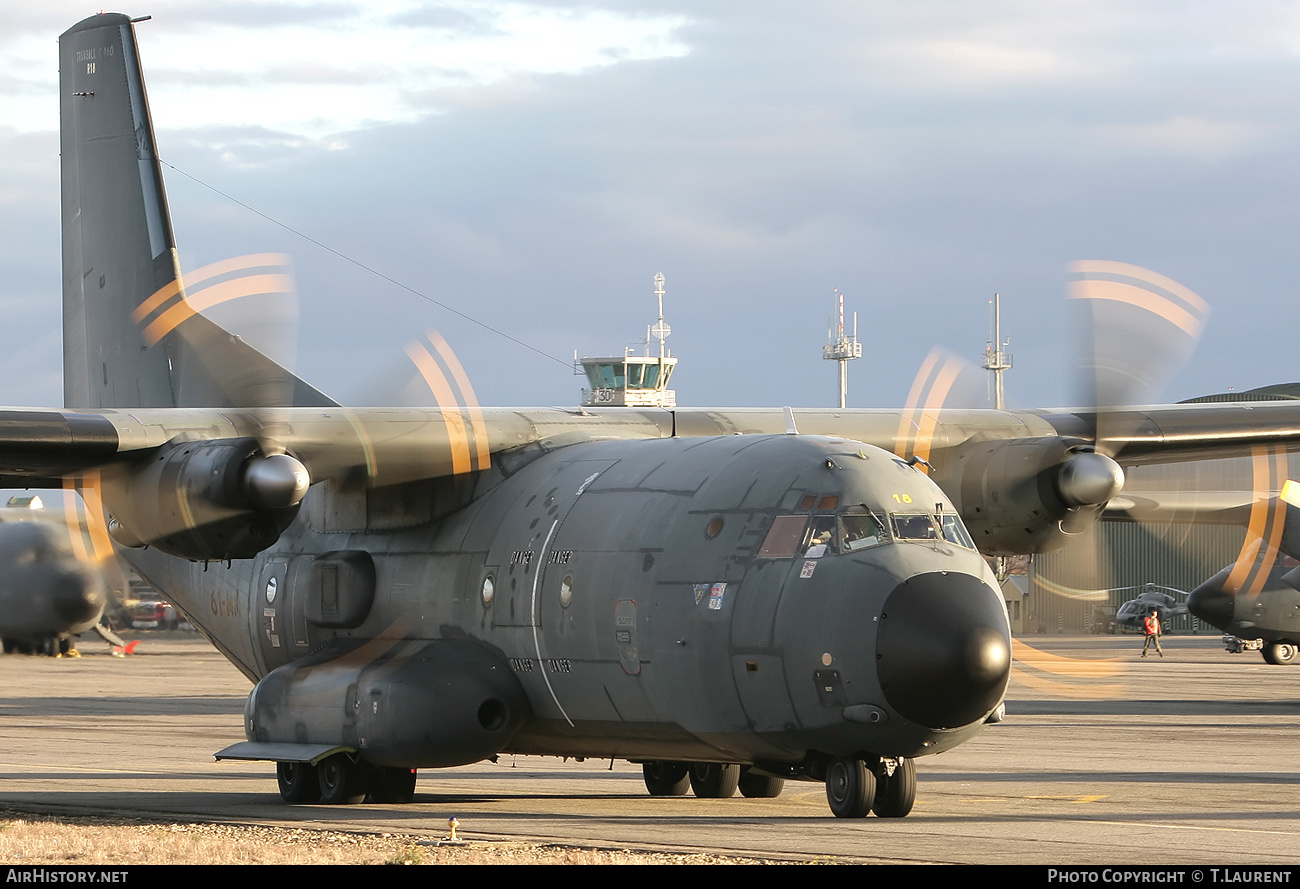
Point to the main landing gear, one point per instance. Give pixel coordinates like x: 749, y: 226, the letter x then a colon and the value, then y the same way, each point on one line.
x: 342, y: 780
x: 708, y: 780
x: 854, y: 787
x: 52, y: 646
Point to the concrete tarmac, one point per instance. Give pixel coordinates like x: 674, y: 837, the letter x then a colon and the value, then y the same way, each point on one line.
x: 1104, y: 758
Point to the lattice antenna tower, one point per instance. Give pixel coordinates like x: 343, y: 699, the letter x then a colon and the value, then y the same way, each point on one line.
x: 997, y: 360
x: 840, y: 347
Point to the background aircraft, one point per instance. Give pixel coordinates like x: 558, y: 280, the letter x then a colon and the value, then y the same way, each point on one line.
x: 51, y: 588
x: 414, y: 588
x: 1163, y: 599
x: 47, y: 595
x: 1256, y: 600
x: 1266, y: 620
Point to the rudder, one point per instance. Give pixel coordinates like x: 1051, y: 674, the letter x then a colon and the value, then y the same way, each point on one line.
x: 117, y: 236
x: 119, y: 250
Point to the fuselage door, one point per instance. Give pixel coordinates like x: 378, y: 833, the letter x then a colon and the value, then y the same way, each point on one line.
x: 280, y: 631
x: 527, y: 546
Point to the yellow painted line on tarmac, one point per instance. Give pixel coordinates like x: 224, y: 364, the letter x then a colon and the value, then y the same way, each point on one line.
x: 1013, y: 799
x: 1145, y: 825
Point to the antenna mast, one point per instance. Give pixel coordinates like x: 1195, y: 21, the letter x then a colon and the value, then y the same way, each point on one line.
x: 661, y: 328
x: 842, y: 348
x: 996, y: 357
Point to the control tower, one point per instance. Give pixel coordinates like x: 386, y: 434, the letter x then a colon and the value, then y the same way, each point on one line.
x: 630, y: 380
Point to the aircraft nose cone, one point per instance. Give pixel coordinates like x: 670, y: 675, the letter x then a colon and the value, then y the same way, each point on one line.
x: 943, y: 650
x: 1211, y: 602
x: 77, y: 598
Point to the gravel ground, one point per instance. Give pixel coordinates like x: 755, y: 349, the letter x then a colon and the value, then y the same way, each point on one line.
x: 33, y: 839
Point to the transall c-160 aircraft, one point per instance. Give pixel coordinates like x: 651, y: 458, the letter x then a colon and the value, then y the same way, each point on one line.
x: 727, y: 597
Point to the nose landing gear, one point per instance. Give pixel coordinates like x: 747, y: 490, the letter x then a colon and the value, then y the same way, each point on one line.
x: 856, y: 787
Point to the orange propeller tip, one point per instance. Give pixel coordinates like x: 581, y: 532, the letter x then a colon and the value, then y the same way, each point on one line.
x: 1291, y: 492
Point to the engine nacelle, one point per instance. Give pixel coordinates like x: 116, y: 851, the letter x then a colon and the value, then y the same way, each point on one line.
x: 1028, y: 495
x: 221, y: 499
x: 448, y: 702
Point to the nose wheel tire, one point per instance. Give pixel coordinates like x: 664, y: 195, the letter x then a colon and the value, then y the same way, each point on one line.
x: 895, y: 793
x: 850, y: 788
x: 664, y: 778
x: 714, y: 780
x: 298, y: 782
x: 1279, y: 653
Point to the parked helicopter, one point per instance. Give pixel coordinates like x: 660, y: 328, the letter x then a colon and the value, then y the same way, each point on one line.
x: 1153, y: 596
x: 729, y: 597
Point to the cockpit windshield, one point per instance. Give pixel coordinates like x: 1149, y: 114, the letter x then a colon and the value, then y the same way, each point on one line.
x: 862, y: 531
x: 913, y: 526
x: 812, y: 537
x: 922, y: 526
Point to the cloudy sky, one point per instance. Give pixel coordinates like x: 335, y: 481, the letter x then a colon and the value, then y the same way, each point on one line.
x: 532, y: 165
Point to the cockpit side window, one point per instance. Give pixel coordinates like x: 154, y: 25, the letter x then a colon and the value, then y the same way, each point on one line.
x: 820, y: 540
x: 784, y: 537
x: 954, y: 531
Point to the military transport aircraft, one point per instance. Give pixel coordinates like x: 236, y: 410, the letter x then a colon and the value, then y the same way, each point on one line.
x: 422, y: 588
x: 1256, y: 600
x: 47, y: 594
x: 1266, y: 619
x: 54, y: 584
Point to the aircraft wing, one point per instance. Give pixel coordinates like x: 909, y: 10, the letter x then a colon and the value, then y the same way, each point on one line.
x: 1183, y: 507
x: 385, y: 446
x: 1181, y: 432
x: 397, y: 445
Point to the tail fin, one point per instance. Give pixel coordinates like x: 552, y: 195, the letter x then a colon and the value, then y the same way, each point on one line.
x: 119, y: 252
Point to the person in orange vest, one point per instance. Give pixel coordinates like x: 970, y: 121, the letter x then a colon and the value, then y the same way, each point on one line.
x: 1151, y: 624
